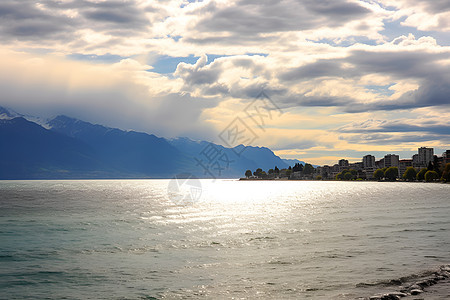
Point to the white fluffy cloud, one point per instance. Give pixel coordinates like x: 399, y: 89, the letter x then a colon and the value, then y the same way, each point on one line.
x: 429, y: 15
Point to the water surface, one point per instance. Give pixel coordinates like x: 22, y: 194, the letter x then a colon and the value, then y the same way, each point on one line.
x: 125, y: 239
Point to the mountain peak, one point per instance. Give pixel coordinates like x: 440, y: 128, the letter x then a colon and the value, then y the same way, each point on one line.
x: 63, y: 120
x: 8, y: 113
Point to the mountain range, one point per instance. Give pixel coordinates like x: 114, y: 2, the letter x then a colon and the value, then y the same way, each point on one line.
x: 68, y: 148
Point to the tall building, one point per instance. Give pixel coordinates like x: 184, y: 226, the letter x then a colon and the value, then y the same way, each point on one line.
x: 445, y: 157
x: 391, y: 160
x: 343, y: 163
x: 425, y: 156
x: 368, y: 161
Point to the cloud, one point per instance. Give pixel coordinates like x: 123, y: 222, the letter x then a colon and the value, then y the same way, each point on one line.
x: 86, y: 27
x: 327, y: 62
x: 249, y: 17
x: 406, y: 73
x: 391, y: 139
x: 427, y: 67
x: 122, y: 95
x: 423, y: 15
x: 396, y: 131
x: 377, y: 126
x: 25, y: 20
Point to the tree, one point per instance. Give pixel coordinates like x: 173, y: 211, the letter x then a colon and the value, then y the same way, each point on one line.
x: 436, y: 165
x: 258, y: 172
x: 378, y: 174
x: 318, y: 177
x: 348, y: 176
x: 431, y: 176
x: 410, y: 174
x: 276, y: 170
x: 421, y: 175
x: 288, y: 172
x: 446, y: 174
x: 297, y: 168
x: 248, y: 173
x: 308, y: 169
x: 270, y: 171
x: 391, y: 173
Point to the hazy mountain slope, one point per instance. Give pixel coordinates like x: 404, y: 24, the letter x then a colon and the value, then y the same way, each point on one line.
x: 127, y: 151
x: 30, y: 151
x: 65, y: 147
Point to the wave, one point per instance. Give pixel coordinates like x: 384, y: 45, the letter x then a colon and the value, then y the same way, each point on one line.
x: 412, y: 284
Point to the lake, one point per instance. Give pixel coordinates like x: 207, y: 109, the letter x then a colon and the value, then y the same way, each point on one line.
x: 131, y: 239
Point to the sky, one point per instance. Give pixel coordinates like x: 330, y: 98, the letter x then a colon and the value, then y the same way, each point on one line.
x: 340, y: 78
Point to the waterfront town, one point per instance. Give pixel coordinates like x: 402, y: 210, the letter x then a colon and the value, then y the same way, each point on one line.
x: 390, y: 167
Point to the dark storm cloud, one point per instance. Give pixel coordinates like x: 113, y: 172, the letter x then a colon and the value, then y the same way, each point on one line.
x: 249, y: 17
x: 26, y: 20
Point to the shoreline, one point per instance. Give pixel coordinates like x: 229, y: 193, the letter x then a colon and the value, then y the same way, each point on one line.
x: 434, y: 285
x: 331, y: 180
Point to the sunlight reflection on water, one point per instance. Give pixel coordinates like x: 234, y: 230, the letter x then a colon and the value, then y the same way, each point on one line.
x: 285, y: 239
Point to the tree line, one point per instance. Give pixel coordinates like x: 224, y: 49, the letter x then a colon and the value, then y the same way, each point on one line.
x: 306, y: 169
x: 430, y: 174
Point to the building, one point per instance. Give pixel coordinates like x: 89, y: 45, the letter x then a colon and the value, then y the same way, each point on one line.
x: 415, y: 159
x: 379, y: 164
x: 335, y: 169
x: 403, y: 165
x: 368, y: 173
x: 356, y: 166
x: 343, y: 163
x: 446, y: 157
x: 391, y: 160
x: 426, y: 155
x: 368, y: 161
x: 325, y: 171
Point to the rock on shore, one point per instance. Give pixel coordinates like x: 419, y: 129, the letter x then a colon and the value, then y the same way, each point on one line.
x: 436, y: 287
